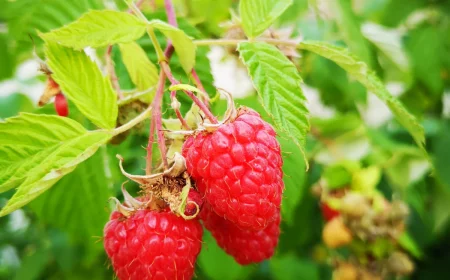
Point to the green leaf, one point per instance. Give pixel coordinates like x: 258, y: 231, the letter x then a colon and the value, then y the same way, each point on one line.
x: 258, y: 15
x: 407, y: 166
x: 70, y: 204
x: 359, y: 71
x: 12, y: 104
x: 7, y: 57
x: 291, y: 267
x: 389, y: 41
x: 294, y: 13
x: 278, y: 84
x: 143, y: 72
x: 366, y: 179
x: 350, y: 28
x: 25, y: 17
x: 337, y: 176
x: 98, y: 29
x: 210, y: 13
x: 408, y: 243
x: 82, y: 82
x: 216, y: 264
x: 441, y: 154
x: 426, y: 49
x: 33, y: 265
x: 182, y: 43
x: 294, y: 170
x: 38, y: 150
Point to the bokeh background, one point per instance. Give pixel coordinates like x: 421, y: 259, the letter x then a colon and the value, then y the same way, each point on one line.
x: 406, y: 42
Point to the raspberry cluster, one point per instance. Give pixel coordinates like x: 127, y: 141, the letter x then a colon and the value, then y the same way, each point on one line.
x: 234, y: 180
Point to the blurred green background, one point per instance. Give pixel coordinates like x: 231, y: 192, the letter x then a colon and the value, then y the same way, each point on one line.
x: 406, y: 42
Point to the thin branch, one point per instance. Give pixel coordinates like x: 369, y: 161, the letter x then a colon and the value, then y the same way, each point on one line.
x: 157, y: 118
x: 145, y: 114
x: 231, y: 42
x: 110, y: 64
x: 176, y: 107
x: 149, y: 158
x: 172, y: 19
x: 112, y: 72
x: 191, y: 95
x: 170, y: 11
x: 199, y: 85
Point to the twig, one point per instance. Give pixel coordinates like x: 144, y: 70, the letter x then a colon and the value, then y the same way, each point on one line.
x: 231, y: 42
x: 151, y: 138
x: 157, y: 118
x: 110, y: 65
x: 191, y: 95
x: 199, y: 85
x: 112, y: 72
x: 172, y: 19
x: 176, y: 107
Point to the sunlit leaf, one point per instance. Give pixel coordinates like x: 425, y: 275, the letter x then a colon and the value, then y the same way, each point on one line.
x: 359, y: 71
x: 277, y: 82
x: 38, y: 150
x: 182, y: 43
x: 350, y: 28
x: 98, y: 29
x: 70, y: 204
x: 142, y: 71
x: 83, y: 83
x: 258, y: 15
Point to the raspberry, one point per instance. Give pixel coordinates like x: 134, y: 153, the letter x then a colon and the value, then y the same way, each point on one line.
x: 61, y: 106
x: 194, y: 203
x: 328, y: 212
x: 246, y: 246
x: 152, y: 245
x: 238, y: 168
x: 336, y: 234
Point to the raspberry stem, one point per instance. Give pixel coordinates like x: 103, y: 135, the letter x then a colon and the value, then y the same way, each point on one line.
x: 110, y: 64
x: 199, y: 85
x: 166, y: 68
x: 170, y: 11
x: 151, y: 138
x: 176, y: 107
x: 233, y: 42
x: 157, y: 119
x: 172, y: 19
x: 112, y: 72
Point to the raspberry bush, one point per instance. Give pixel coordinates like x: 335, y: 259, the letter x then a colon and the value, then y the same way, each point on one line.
x: 251, y: 139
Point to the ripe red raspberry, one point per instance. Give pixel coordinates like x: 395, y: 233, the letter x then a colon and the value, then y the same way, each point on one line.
x: 152, y: 245
x: 238, y: 168
x: 246, y: 246
x: 328, y: 212
x: 61, y: 106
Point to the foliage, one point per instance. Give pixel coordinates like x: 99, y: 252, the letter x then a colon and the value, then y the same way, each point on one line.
x: 362, y: 101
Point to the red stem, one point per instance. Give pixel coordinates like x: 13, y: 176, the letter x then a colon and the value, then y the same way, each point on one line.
x: 149, y: 159
x: 199, y: 85
x: 110, y: 65
x: 169, y: 50
x: 157, y: 118
x: 177, y: 111
x: 112, y: 72
x: 170, y: 11
x: 194, y: 98
x: 172, y: 19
